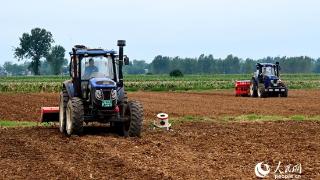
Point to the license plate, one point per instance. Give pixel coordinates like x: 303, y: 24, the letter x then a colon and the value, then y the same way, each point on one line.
x: 276, y: 90
x: 106, y: 103
x: 283, y: 90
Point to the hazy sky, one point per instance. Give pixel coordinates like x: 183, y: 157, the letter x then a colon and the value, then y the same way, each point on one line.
x: 186, y: 28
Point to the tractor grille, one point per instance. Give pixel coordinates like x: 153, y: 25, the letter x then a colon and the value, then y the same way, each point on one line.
x: 107, y: 94
x: 97, y: 103
x: 274, y: 83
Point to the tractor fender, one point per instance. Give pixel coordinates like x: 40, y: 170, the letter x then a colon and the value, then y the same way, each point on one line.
x: 255, y: 82
x: 68, y: 85
x: 120, y: 93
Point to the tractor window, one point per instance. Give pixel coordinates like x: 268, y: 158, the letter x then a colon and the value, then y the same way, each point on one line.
x: 268, y: 71
x: 98, y: 67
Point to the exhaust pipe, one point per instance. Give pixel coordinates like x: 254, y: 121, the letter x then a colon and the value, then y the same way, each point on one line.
x: 121, y: 44
x: 278, y: 68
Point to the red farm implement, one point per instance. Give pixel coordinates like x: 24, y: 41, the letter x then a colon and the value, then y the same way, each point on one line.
x: 242, y: 88
x: 49, y: 114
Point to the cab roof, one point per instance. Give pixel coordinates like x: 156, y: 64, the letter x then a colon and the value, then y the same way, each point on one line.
x: 93, y: 52
x: 267, y: 64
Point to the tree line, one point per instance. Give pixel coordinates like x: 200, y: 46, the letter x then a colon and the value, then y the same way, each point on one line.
x: 207, y: 64
x: 47, y: 59
x: 164, y: 65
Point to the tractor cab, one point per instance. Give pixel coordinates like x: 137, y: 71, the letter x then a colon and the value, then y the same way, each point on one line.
x: 267, y: 70
x: 98, y: 67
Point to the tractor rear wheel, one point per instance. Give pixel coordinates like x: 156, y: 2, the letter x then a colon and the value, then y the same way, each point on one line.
x: 62, y: 110
x: 284, y: 94
x: 74, y: 116
x: 133, y: 127
x: 253, y: 90
x: 262, y: 92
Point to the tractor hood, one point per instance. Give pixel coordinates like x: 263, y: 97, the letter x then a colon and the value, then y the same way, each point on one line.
x: 102, y: 83
x: 272, y: 77
x: 271, y: 80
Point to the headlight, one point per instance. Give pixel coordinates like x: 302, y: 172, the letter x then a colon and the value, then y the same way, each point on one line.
x: 99, y: 94
x: 114, y: 94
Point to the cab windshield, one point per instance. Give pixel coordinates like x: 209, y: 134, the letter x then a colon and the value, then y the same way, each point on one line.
x: 268, y: 71
x: 96, y: 67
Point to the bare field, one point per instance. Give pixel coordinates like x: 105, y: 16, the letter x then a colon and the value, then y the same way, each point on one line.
x: 25, y: 107
x: 193, y: 150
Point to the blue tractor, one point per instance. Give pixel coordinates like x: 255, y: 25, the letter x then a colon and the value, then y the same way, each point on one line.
x: 96, y: 93
x: 266, y: 82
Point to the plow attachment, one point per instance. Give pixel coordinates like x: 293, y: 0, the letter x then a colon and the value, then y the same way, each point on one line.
x: 49, y: 114
x: 242, y: 88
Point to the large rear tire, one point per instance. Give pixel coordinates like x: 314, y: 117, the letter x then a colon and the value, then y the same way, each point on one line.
x: 62, y: 110
x: 284, y: 94
x: 133, y: 127
x: 74, y: 116
x: 253, y: 90
x: 261, y: 91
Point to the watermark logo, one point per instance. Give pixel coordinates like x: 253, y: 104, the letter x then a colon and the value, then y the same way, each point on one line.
x: 289, y: 171
x: 282, y: 171
x: 262, y: 172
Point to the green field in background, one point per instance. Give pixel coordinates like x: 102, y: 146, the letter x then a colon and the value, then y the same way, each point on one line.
x: 156, y: 82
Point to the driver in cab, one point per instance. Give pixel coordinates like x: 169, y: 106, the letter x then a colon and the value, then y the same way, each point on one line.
x: 90, y: 69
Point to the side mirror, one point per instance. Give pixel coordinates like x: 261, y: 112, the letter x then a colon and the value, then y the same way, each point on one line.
x: 126, y: 60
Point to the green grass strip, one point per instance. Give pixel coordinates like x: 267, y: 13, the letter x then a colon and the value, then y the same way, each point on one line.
x: 21, y: 124
x: 243, y: 118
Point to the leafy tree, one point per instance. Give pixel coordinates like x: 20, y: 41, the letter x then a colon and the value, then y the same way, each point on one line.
x: 136, y: 67
x: 16, y: 69
x: 2, y: 71
x: 231, y: 65
x: 176, y: 73
x: 317, y: 66
x: 160, y: 65
x: 56, y: 59
x: 204, y: 64
x: 45, y: 68
x: 248, y: 66
x: 34, y: 46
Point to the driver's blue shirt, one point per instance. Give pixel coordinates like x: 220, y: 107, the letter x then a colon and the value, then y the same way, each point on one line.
x: 90, y: 69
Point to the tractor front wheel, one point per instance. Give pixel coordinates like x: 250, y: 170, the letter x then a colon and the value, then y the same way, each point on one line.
x: 262, y: 92
x: 74, y: 116
x: 133, y: 127
x: 253, y: 90
x: 284, y: 94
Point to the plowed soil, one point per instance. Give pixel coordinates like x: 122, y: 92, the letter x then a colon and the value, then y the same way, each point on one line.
x: 25, y: 107
x: 192, y: 150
